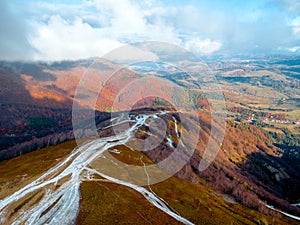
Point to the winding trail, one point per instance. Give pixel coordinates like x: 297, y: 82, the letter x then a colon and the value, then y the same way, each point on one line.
x: 60, y: 186
x: 284, y: 213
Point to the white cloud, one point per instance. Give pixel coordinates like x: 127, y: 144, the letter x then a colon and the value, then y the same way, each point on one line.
x: 94, y: 27
x: 121, y: 14
x: 13, y: 34
x: 294, y: 49
x: 59, y: 39
x: 205, y: 46
x: 291, y: 5
x: 130, y: 54
x: 291, y: 49
x: 296, y: 25
x: 119, y: 22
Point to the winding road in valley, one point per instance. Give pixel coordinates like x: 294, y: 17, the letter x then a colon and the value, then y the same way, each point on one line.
x: 54, y: 198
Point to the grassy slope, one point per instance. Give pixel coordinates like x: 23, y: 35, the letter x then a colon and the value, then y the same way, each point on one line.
x: 17, y: 172
x: 108, y: 203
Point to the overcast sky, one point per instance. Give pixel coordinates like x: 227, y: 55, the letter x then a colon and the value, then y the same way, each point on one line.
x: 58, y: 30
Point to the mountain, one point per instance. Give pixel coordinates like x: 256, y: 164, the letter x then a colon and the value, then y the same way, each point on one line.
x: 189, y: 194
x: 255, y: 168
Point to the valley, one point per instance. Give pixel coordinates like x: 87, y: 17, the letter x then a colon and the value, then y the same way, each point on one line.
x: 46, y: 178
x: 149, y: 112
x: 55, y: 195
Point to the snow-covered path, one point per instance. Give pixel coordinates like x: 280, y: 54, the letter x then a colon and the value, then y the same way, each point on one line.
x: 284, y: 213
x: 59, y: 203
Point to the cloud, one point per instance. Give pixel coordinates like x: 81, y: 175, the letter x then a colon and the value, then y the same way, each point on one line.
x: 94, y: 27
x: 205, y: 46
x: 240, y: 28
x: 14, y: 44
x: 59, y: 39
x: 296, y: 25
x: 291, y: 5
x: 70, y: 36
x: 64, y: 36
x: 294, y: 49
x: 129, y: 54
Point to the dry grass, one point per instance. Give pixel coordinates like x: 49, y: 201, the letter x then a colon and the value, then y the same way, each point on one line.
x: 109, y: 203
x: 17, y: 172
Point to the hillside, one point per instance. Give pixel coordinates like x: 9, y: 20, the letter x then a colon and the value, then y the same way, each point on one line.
x: 256, y: 167
x: 100, y: 199
x: 227, y: 192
